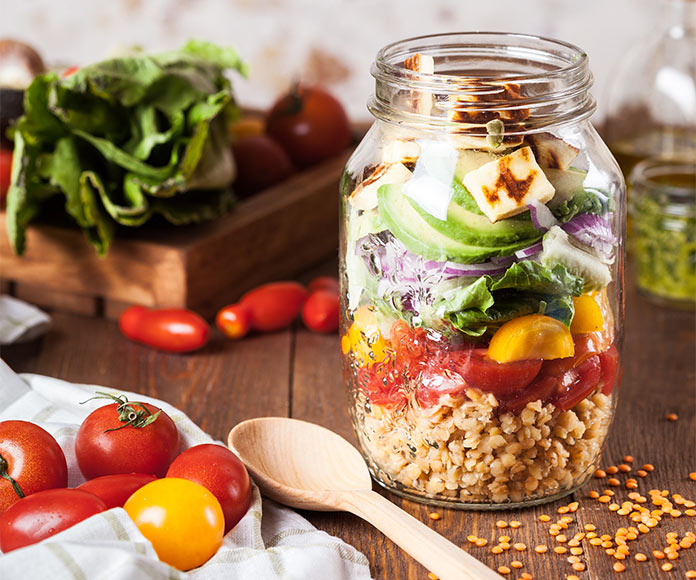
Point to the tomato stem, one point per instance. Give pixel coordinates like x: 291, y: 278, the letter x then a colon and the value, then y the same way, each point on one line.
x: 295, y: 101
x: 3, y: 473
x: 134, y: 414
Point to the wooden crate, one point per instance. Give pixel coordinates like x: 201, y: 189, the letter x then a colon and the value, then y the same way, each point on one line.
x: 270, y: 236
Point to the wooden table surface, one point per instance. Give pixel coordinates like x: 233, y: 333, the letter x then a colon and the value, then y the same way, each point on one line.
x: 297, y: 373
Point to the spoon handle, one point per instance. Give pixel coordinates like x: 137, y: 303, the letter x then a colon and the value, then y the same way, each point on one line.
x: 437, y: 554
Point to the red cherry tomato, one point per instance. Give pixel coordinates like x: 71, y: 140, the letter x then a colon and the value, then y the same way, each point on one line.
x: 310, y: 124
x: 320, y: 311
x: 274, y: 306
x: 577, y: 383
x: 493, y: 377
x: 261, y: 162
x: 234, y: 321
x: 32, y: 458
x: 126, y: 437
x: 323, y: 283
x: 5, y: 172
x: 114, y: 490
x: 222, y: 473
x: 130, y: 320
x: 611, y: 371
x: 168, y: 329
x: 44, y: 514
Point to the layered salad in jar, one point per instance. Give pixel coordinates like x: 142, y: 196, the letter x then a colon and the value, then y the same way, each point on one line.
x: 478, y: 334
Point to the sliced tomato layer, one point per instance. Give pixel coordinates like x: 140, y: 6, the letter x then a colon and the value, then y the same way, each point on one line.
x: 415, y: 361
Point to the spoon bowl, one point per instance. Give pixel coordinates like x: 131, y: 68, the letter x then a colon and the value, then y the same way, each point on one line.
x: 271, y: 448
x: 309, y: 467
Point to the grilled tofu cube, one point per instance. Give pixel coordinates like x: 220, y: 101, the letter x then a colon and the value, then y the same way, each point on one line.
x: 552, y: 152
x: 365, y: 195
x: 503, y: 188
x: 421, y: 63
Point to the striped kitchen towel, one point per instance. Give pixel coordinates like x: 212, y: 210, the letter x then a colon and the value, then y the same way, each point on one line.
x: 270, y: 542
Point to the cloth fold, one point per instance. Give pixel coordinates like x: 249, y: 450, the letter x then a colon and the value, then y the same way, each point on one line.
x: 270, y: 542
x: 20, y: 321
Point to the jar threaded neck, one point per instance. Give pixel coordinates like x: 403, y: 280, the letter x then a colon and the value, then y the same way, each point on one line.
x: 469, y: 79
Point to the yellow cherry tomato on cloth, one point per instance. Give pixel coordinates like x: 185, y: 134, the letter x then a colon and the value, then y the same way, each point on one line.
x: 182, y: 519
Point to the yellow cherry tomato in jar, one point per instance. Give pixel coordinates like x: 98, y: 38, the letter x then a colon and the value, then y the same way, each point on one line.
x: 364, y: 338
x: 182, y: 519
x: 588, y: 315
x: 534, y: 336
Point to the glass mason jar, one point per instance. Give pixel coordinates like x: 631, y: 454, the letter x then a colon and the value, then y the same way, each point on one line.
x: 481, y: 269
x: 662, y: 206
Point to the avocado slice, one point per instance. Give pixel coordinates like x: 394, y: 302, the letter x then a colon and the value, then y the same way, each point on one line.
x: 566, y: 183
x: 406, y: 224
x: 475, y: 228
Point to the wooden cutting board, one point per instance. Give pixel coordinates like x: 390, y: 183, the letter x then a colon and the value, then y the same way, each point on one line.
x: 273, y: 235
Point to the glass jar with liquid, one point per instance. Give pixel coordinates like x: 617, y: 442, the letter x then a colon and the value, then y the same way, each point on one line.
x: 663, y: 237
x: 652, y: 100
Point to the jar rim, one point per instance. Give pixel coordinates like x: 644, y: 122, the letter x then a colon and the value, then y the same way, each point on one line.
x: 578, y: 61
x: 531, y: 79
x: 645, y: 172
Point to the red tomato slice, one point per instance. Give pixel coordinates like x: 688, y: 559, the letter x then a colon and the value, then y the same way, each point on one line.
x: 577, y: 383
x: 611, y: 369
x: 490, y: 376
x: 381, y: 384
x: 437, y: 382
x: 540, y: 389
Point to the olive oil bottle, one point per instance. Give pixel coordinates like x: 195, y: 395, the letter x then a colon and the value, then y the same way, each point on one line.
x: 652, y: 100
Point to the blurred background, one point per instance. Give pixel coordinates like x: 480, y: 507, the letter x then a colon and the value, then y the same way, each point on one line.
x: 332, y: 41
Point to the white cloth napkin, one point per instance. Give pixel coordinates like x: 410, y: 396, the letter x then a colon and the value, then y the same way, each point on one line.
x: 270, y: 542
x: 19, y: 321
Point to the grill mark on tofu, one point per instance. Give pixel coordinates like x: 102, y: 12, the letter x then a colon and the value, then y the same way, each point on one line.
x: 509, y: 185
x: 414, y: 63
x: 376, y: 174
x: 551, y: 159
x: 510, y: 92
x: 512, y: 187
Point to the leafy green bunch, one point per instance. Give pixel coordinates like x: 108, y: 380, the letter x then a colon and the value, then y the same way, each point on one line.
x: 127, y: 138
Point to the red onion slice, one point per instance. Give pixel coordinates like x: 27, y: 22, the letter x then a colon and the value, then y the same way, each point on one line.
x: 475, y: 269
x: 530, y: 251
x: 542, y: 218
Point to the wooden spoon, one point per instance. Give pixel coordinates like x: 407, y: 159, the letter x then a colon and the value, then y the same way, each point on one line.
x: 309, y: 467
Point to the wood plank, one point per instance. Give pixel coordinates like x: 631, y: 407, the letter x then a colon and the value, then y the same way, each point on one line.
x: 267, y: 245
x: 318, y: 392
x: 274, y: 234
x: 56, y: 299
x: 114, y: 308
x: 224, y: 383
